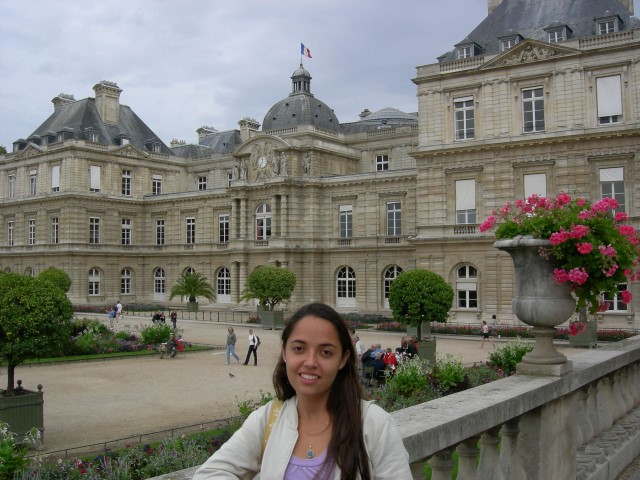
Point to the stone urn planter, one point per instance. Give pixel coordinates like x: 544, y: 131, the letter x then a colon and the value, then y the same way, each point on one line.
x: 192, y: 306
x: 23, y: 412
x: 540, y: 302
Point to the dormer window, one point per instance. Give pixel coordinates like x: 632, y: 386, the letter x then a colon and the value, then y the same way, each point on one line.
x: 153, y: 146
x: 93, y: 137
x: 466, y: 50
x: 606, y: 25
x: 507, y: 42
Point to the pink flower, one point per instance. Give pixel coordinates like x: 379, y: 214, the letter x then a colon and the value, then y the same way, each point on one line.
x: 560, y: 275
x: 488, y: 223
x: 605, y: 205
x: 608, y: 250
x: 626, y: 296
x: 578, y: 275
x: 576, y: 327
x: 621, y: 217
x: 611, y: 272
x: 627, y: 230
x: 585, y: 215
x: 584, y: 248
x: 559, y: 237
x: 581, y: 202
x: 562, y: 199
x: 604, y: 306
x: 579, y: 231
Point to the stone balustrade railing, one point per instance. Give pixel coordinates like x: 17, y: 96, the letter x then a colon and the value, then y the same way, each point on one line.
x: 583, y: 425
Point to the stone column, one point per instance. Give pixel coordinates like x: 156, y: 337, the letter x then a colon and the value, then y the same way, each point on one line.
x: 243, y: 219
x: 284, y: 215
x: 275, y: 217
x: 233, y: 221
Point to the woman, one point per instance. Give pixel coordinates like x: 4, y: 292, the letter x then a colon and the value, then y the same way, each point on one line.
x: 323, y: 430
x: 231, y: 346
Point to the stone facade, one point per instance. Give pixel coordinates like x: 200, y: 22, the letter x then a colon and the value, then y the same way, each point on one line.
x: 344, y: 207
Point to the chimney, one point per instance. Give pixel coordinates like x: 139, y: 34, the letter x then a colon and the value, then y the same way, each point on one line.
x: 493, y: 4
x: 248, y: 128
x: 108, y: 101
x: 365, y: 113
x: 205, y: 131
x: 62, y: 100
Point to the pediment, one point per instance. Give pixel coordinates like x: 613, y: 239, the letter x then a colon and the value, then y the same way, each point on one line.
x: 31, y: 150
x: 131, y: 151
x: 261, y: 158
x: 261, y: 143
x: 529, y: 51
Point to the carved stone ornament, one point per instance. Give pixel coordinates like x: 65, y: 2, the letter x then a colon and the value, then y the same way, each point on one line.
x: 527, y: 52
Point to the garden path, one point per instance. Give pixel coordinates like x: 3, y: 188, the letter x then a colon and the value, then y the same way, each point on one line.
x: 95, y: 402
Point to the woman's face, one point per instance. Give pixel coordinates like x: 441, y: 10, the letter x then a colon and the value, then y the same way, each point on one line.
x: 230, y: 330
x: 313, y: 355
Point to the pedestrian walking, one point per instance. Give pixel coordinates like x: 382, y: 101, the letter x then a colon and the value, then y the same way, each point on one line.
x: 174, y: 318
x: 231, y: 346
x: 485, y: 334
x: 253, y: 348
x: 118, y: 312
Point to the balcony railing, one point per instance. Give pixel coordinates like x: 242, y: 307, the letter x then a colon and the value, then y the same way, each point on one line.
x: 583, y: 425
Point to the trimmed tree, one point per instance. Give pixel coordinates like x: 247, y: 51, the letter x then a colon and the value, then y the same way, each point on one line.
x: 419, y: 296
x: 35, y: 321
x: 192, y: 286
x: 56, y: 277
x: 270, y: 285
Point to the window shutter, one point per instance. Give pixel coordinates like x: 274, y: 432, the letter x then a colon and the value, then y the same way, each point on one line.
x: 609, y: 96
x: 465, y: 194
x: 55, y: 176
x: 612, y: 174
x: 95, y: 177
x: 535, y: 183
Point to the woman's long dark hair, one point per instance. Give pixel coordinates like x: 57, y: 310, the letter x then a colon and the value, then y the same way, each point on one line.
x: 345, y: 408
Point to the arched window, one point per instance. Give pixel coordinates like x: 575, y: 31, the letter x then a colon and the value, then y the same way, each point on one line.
x: 190, y: 270
x: 390, y: 275
x: 159, y: 281
x: 263, y: 222
x: 8, y: 269
x: 223, y: 285
x: 467, y: 287
x: 125, y: 281
x: 346, y: 287
x: 94, y: 281
x: 28, y: 272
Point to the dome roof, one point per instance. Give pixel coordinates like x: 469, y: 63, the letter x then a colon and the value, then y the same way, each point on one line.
x: 391, y: 116
x: 300, y: 108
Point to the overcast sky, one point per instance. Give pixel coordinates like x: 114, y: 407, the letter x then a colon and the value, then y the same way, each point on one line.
x: 185, y: 64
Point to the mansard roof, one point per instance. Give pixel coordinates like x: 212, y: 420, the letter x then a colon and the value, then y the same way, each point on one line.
x: 530, y: 18
x: 80, y: 117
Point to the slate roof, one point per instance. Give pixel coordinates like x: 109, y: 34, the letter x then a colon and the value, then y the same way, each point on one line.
x: 383, y: 118
x: 81, y: 115
x: 529, y: 18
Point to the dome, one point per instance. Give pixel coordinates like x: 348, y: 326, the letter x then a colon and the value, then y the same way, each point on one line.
x: 300, y: 108
x: 390, y: 116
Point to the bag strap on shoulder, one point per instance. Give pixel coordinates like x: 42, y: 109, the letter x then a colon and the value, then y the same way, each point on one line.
x: 273, y: 416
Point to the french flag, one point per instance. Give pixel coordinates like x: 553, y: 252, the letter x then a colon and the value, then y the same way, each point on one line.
x: 305, y: 51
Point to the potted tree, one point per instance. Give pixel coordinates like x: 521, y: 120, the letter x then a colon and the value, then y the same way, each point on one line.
x: 271, y: 286
x: 35, y: 322
x: 192, y: 285
x: 420, y: 296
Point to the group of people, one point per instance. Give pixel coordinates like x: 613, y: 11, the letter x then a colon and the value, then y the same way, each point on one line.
x: 254, y: 343
x: 115, y: 313
x: 319, y: 426
x: 159, y: 317
x: 383, y: 361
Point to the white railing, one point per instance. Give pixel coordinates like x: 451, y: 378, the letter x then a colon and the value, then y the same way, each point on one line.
x: 584, y: 425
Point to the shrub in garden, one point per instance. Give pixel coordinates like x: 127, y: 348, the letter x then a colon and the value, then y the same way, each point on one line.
x: 448, y: 373
x: 481, y: 374
x: 154, y: 334
x: 507, y: 356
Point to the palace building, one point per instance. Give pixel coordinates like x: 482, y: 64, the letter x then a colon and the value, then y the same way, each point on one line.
x: 541, y: 97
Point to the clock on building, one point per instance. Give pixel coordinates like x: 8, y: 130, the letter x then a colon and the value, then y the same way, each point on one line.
x: 262, y: 161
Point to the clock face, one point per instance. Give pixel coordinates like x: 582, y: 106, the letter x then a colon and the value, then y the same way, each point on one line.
x: 262, y: 161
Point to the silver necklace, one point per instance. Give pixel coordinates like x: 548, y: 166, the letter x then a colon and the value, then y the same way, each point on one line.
x: 311, y: 452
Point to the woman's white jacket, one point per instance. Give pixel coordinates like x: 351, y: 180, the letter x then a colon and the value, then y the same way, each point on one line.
x: 241, y: 457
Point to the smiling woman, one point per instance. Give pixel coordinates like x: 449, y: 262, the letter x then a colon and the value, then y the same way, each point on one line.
x: 319, y: 427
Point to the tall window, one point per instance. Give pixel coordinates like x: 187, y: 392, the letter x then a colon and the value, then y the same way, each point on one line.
x: 94, y: 230
x: 609, y: 100
x: 191, y: 231
x: 390, y: 275
x: 126, y: 183
x: 612, y: 185
x: 94, y: 185
x: 55, y: 178
x: 10, y: 233
x: 229, y: 178
x: 94, y: 281
x: 28, y: 272
x: 263, y: 222
x: 126, y: 231
x: 382, y: 163
x: 125, y: 281
x: 346, y: 221
x: 202, y: 182
x: 467, y: 287
x: 31, y: 236
x: 223, y: 285
x: 465, y: 201
x: 535, y: 184
x: 55, y: 228
x: 346, y: 287
x: 223, y: 228
x: 159, y: 281
x: 533, y: 110
x: 156, y: 185
x: 394, y: 219
x: 159, y: 231
x: 33, y: 182
x: 12, y: 185
x: 614, y: 302
x: 464, y: 115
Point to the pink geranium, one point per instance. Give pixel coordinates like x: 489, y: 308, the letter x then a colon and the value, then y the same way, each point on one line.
x: 585, y: 248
